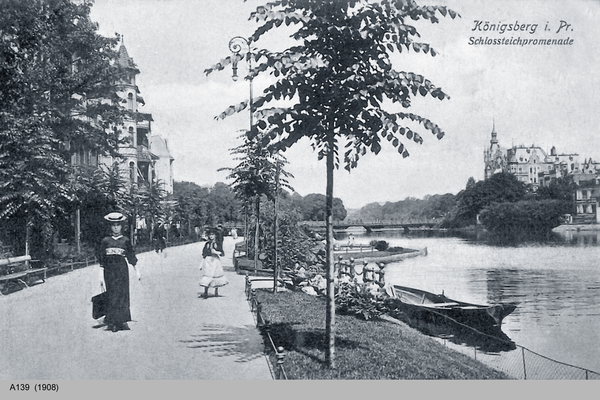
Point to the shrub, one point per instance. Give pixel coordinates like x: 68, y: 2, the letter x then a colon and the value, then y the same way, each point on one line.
x: 380, y: 245
x: 523, y: 219
x: 349, y: 300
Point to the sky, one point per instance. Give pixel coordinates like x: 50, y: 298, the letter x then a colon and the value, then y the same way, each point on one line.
x: 533, y: 95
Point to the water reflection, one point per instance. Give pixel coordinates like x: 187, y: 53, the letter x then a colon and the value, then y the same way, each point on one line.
x: 490, y: 340
x: 560, y: 238
x: 555, y: 282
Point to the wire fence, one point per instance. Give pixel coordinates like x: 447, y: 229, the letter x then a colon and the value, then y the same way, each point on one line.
x: 496, y: 350
x: 526, y: 364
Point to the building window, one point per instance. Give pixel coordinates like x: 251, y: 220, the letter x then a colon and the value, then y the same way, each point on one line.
x: 130, y: 101
x: 131, y: 137
x: 132, y: 171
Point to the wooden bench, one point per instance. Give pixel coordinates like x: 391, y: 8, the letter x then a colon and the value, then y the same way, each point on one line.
x: 40, y: 273
x: 14, y: 278
x: 21, y: 277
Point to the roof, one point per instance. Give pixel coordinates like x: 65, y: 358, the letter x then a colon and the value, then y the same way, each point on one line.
x: 144, y: 117
x: 145, y: 155
x: 125, y: 60
x: 160, y: 146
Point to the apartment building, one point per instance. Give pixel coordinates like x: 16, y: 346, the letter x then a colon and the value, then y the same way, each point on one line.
x: 533, y: 166
x: 139, y: 160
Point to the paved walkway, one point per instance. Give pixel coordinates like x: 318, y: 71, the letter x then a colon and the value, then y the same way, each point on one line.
x: 47, y: 331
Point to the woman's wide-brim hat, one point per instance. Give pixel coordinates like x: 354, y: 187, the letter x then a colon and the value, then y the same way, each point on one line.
x: 115, y: 217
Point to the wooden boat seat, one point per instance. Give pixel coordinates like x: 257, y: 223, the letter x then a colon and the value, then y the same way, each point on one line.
x: 434, y: 305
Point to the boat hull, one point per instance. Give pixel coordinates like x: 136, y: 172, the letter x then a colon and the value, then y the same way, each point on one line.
x: 427, y: 306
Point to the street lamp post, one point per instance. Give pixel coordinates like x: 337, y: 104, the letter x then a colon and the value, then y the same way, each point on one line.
x: 236, y: 45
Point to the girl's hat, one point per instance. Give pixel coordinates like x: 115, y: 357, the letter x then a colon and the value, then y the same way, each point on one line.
x: 115, y: 217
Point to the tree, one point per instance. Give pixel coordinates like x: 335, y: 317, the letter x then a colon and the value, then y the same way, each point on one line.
x: 562, y: 188
x: 257, y: 174
x: 192, y: 203
x: 501, y: 187
x: 338, y: 80
x: 59, y: 92
x: 149, y: 204
x: 313, y: 208
x: 510, y: 222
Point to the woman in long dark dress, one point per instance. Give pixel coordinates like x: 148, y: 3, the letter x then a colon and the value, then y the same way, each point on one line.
x: 115, y: 251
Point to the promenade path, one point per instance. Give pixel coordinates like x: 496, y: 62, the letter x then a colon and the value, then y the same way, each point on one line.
x: 47, y: 331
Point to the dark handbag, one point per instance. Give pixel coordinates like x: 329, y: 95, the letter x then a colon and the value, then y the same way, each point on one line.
x: 99, y: 305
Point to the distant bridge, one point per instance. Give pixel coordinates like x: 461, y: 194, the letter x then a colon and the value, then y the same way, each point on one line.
x: 370, y: 226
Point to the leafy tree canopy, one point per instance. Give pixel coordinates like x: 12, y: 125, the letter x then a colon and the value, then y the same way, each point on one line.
x: 499, y: 188
x: 340, y: 75
x: 312, y: 207
x: 58, y: 94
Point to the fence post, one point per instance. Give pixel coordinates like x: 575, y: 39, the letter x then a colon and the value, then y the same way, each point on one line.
x: 280, y: 356
x: 259, y: 318
x: 248, y: 285
x: 524, y: 369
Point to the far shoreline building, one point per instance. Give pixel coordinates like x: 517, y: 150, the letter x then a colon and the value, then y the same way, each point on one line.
x: 533, y: 166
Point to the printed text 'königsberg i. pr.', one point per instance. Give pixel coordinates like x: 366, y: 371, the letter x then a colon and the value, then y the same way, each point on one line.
x: 521, y: 34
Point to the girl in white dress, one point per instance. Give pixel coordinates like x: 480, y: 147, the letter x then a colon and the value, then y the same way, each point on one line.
x: 211, y: 267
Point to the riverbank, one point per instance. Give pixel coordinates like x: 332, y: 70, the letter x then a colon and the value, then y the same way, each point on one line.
x: 382, y: 256
x: 373, y: 349
x: 577, y: 228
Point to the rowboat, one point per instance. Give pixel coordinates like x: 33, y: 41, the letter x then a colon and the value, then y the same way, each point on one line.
x: 426, y: 306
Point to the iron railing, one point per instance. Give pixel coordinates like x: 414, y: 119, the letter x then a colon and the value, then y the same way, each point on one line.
x: 255, y: 307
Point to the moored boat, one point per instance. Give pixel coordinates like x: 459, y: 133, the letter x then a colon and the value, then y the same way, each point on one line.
x: 425, y: 305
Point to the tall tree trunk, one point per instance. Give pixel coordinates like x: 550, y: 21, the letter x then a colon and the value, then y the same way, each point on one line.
x: 27, y: 236
x: 78, y: 229
x: 330, y: 313
x: 246, y: 229
x: 256, y: 233
x: 276, y: 210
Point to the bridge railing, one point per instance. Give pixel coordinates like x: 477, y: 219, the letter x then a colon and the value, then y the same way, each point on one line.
x: 381, y: 222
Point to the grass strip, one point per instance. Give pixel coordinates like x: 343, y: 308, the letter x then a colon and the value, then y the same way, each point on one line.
x: 373, y: 349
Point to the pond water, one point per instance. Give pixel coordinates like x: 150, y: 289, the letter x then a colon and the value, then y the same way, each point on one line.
x: 556, y: 286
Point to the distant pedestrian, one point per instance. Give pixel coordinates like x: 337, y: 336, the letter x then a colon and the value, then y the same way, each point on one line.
x: 234, y: 233
x: 351, y: 240
x: 220, y: 234
x: 160, y: 240
x: 212, y: 270
x: 114, y: 253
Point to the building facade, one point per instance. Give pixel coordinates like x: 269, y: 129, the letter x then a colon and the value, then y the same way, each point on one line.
x: 138, y: 162
x: 533, y: 166
x: 530, y: 164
